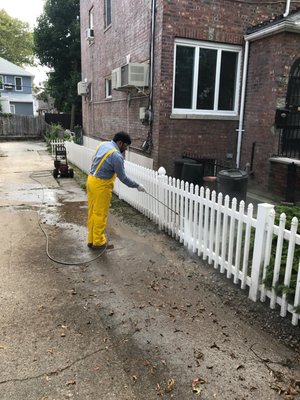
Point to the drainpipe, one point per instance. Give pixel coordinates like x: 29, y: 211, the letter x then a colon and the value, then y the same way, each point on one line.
x: 147, y: 145
x: 153, y: 11
x: 287, y: 8
x: 242, y: 109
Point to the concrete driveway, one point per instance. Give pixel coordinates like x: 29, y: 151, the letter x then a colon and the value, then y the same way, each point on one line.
x: 144, y: 321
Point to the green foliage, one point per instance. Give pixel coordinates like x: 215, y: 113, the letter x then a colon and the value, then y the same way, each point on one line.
x: 57, y: 45
x: 79, y: 176
x: 68, y: 135
x: 78, y: 134
x: 56, y: 132
x: 280, y: 287
x: 16, y: 40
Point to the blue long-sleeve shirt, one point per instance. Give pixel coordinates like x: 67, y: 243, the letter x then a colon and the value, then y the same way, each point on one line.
x: 114, y: 163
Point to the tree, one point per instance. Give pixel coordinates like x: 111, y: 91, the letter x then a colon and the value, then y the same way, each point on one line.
x: 16, y: 40
x: 57, y: 45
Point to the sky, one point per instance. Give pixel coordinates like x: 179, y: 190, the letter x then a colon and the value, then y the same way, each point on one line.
x: 27, y: 11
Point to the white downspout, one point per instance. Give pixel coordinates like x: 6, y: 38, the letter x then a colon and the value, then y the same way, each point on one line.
x: 242, y: 109
x: 287, y: 8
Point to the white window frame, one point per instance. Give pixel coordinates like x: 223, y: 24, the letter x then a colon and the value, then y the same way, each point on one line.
x: 108, y: 94
x: 18, y: 90
x: 1, y: 82
x: 213, y: 46
x: 12, y: 108
x: 106, y: 24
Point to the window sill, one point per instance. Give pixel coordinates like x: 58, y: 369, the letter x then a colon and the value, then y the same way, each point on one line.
x: 212, y: 117
x: 284, y: 160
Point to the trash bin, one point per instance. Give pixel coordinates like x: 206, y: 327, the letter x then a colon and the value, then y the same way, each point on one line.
x: 210, y: 182
x: 178, y: 165
x: 233, y: 182
x: 192, y: 173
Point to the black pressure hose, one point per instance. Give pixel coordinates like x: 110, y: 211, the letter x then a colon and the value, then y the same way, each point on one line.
x: 34, y: 176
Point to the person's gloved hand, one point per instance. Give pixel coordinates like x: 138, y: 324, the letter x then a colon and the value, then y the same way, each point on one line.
x: 141, y: 188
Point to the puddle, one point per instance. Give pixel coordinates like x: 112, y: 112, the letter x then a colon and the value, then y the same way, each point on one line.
x: 67, y: 215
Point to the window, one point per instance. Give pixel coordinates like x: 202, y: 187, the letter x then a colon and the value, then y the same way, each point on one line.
x: 1, y: 82
x: 108, y: 90
x: 206, y: 78
x: 107, y: 13
x: 18, y: 83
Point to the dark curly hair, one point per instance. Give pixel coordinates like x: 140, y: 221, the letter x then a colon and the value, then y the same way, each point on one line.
x: 123, y: 137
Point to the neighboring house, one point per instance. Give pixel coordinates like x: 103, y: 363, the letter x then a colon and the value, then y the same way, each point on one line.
x: 16, y: 89
x: 44, y: 104
x: 213, y: 76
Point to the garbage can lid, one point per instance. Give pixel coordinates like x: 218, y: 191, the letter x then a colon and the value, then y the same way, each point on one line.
x: 185, y: 161
x: 233, y: 174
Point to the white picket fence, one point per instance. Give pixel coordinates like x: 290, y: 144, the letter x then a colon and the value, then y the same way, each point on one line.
x: 54, y: 143
x: 216, y: 228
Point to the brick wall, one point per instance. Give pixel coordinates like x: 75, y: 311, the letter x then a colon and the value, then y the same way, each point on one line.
x: 269, y: 66
x: 222, y: 21
x: 128, y: 35
x: 278, y: 178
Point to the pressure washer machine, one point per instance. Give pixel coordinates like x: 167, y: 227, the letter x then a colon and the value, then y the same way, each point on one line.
x: 61, y: 166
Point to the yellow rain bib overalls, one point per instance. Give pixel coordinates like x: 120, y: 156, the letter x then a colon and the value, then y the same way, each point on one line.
x: 99, y: 196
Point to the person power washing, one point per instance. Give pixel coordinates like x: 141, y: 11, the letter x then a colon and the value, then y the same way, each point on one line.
x: 107, y: 164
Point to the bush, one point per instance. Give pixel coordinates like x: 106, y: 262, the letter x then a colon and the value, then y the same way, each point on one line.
x: 280, y: 288
x: 58, y: 132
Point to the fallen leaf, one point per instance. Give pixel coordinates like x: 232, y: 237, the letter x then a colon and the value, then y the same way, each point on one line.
x: 170, y: 385
x: 198, y: 354
x: 71, y: 383
x: 215, y: 346
x: 197, y: 389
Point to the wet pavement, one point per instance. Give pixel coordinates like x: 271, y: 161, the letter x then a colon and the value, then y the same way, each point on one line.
x: 144, y: 321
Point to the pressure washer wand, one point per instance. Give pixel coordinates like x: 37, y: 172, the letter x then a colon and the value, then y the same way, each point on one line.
x: 162, y: 203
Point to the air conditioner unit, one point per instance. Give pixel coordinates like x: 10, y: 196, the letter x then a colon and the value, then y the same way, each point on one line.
x: 116, y: 78
x: 89, y: 34
x: 135, y: 74
x: 8, y: 85
x: 82, y: 88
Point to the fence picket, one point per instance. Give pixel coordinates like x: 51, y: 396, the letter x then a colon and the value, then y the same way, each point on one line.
x: 282, y: 221
x: 239, y: 242
x: 295, y: 318
x: 218, y: 230
x: 289, y: 265
x: 213, y: 228
x: 231, y: 237
x: 211, y: 237
x: 206, y: 211
x: 224, y: 234
x: 200, y: 223
x: 247, y: 246
x: 268, y: 250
